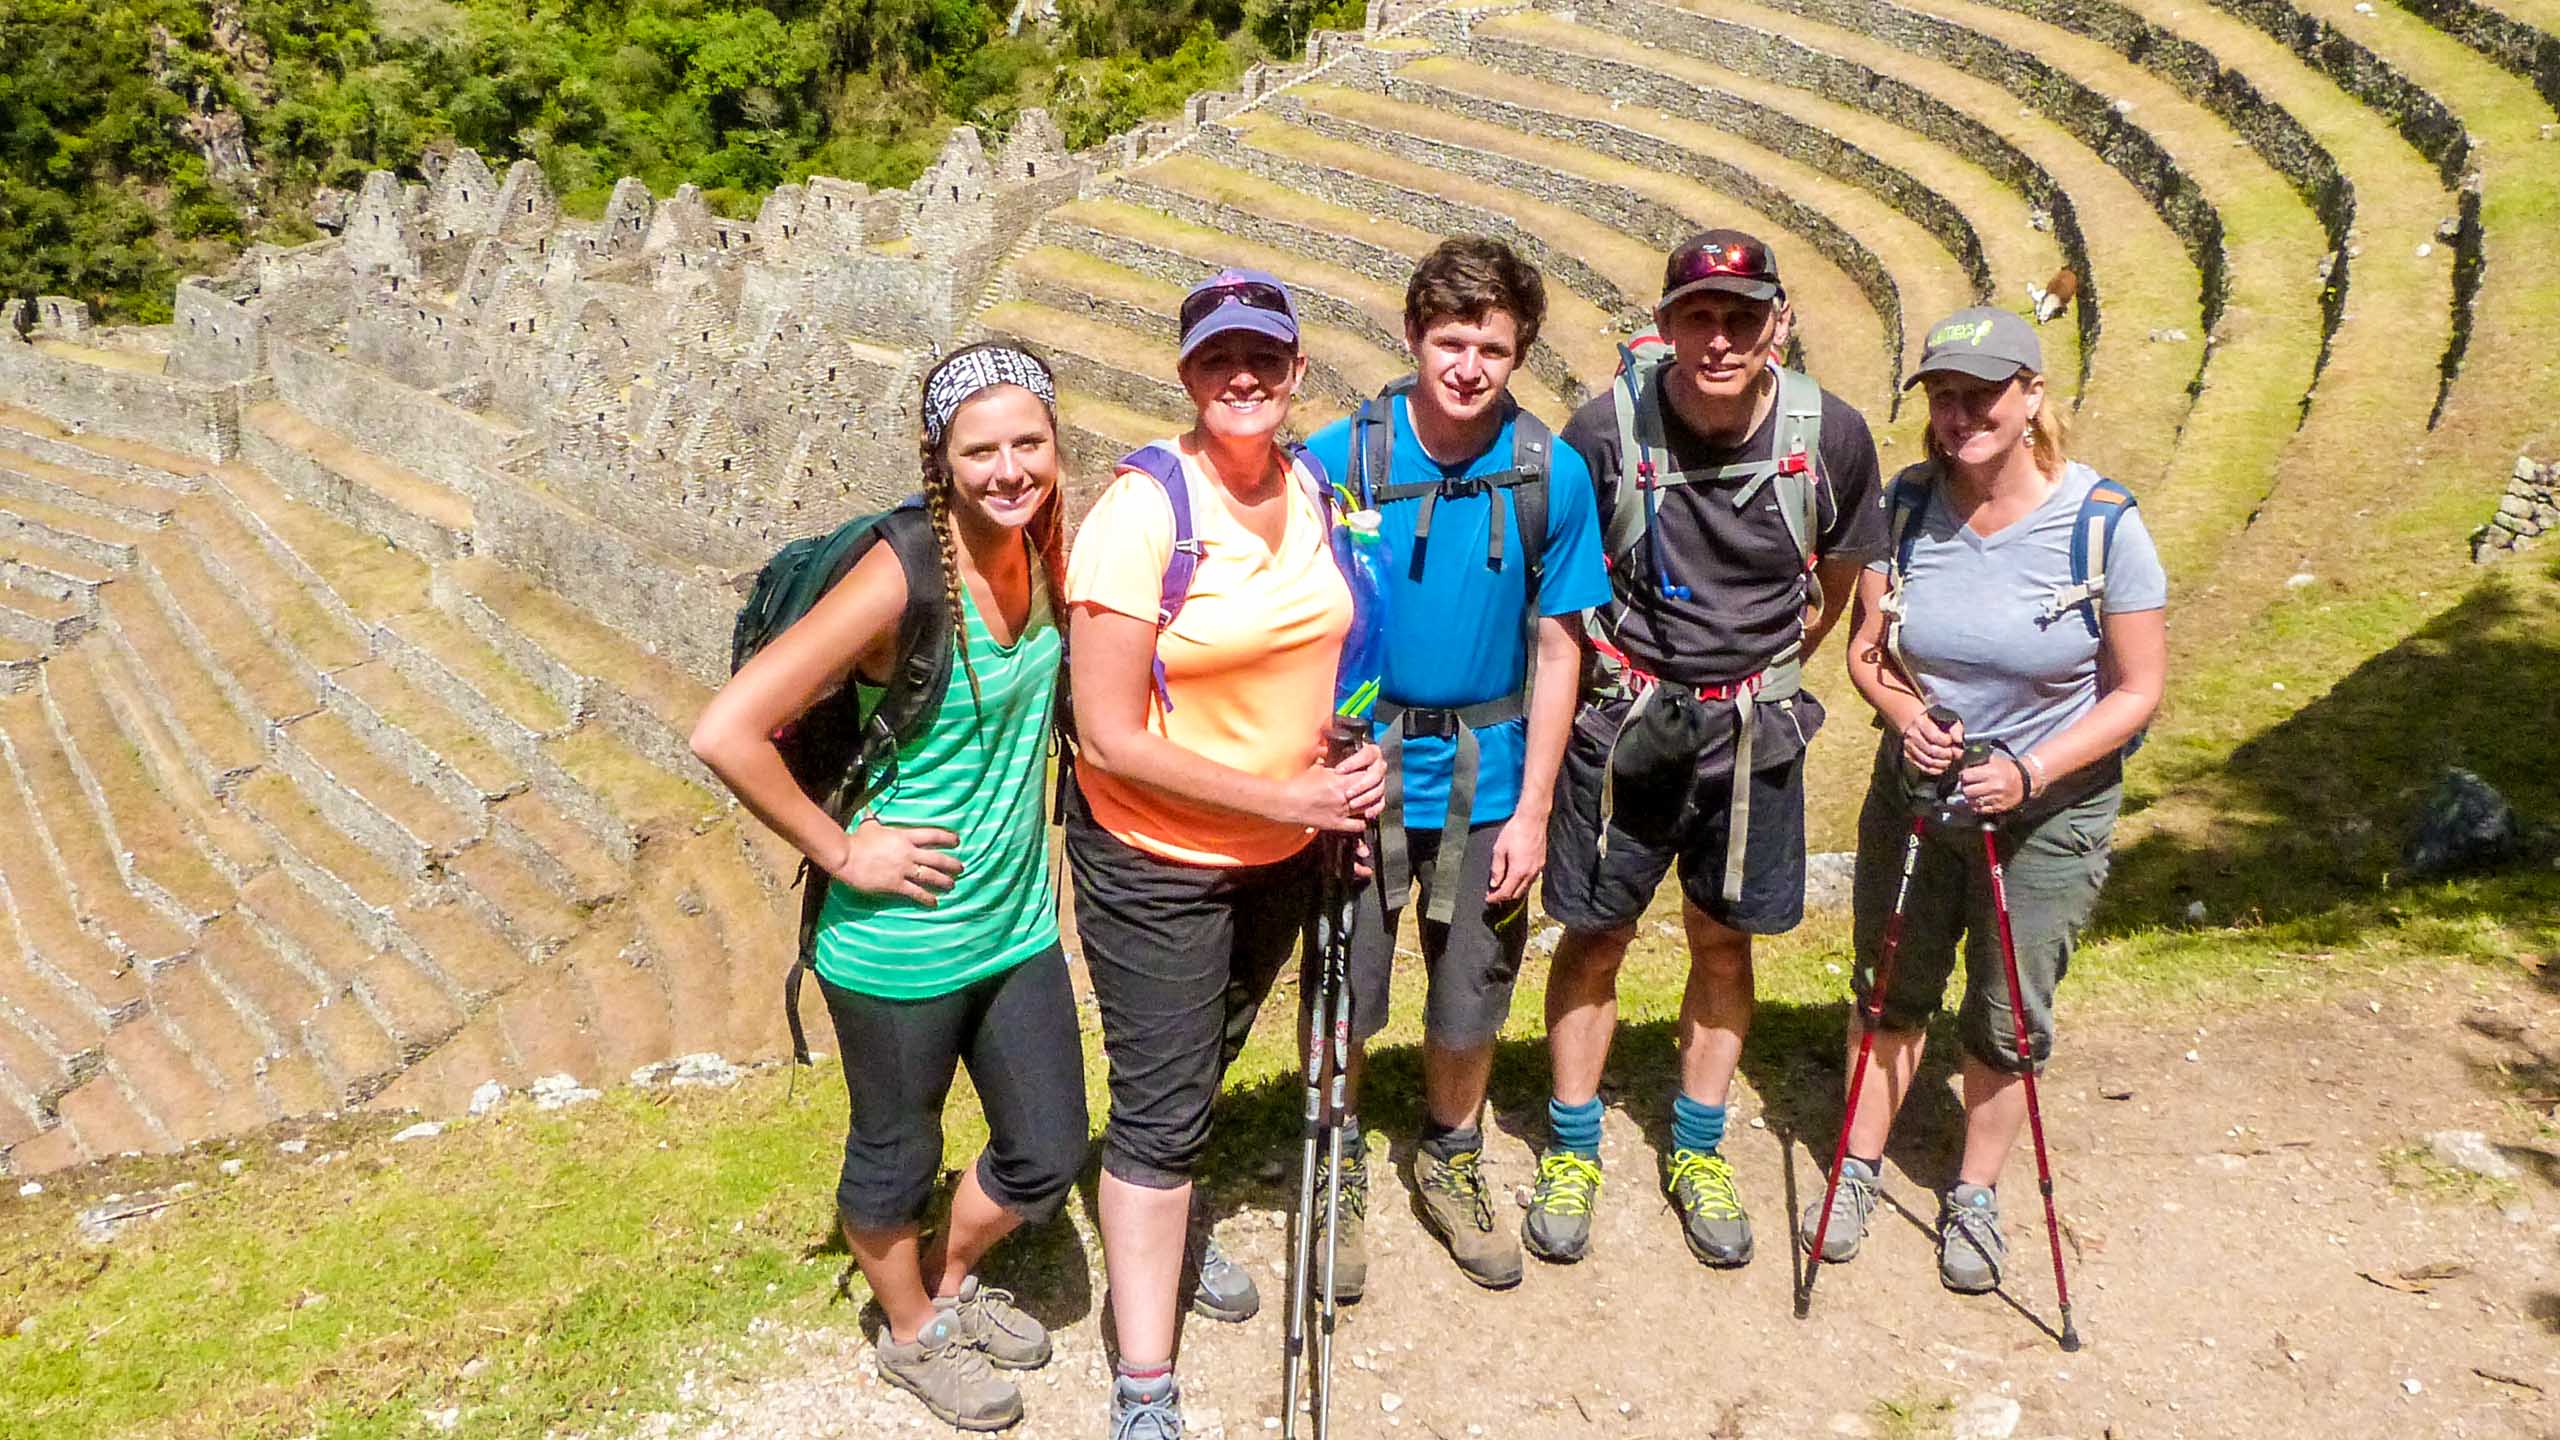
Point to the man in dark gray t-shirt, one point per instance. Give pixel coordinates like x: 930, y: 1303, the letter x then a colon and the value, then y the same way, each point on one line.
x: 1759, y: 495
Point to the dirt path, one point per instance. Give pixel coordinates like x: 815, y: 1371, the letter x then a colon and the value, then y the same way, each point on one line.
x: 2225, y: 1214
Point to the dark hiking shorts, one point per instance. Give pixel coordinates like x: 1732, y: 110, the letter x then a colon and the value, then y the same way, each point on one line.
x: 1016, y: 1031
x: 1181, y: 958
x: 1471, y: 963
x: 2052, y: 865
x: 1656, y: 827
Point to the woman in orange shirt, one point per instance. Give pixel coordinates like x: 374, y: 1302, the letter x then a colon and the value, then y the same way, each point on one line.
x: 1200, y: 783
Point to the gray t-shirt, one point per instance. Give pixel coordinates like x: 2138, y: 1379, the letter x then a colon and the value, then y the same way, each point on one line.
x: 1973, y: 627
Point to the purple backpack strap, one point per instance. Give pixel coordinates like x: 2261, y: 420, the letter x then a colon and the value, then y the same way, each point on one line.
x: 1160, y: 463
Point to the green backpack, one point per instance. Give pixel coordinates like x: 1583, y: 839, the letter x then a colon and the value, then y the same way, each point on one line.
x: 840, y: 755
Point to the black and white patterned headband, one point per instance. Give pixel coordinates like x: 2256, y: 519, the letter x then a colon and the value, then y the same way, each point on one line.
x: 959, y: 381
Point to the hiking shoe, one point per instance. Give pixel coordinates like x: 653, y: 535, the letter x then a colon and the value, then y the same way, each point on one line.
x: 1145, y: 1409
x: 1456, y: 1208
x: 1970, y: 1245
x: 988, y: 1319
x: 1711, y: 1220
x: 950, y: 1376
x: 1851, y: 1204
x: 1351, y: 1225
x: 1558, y: 1226
x: 1221, y: 1289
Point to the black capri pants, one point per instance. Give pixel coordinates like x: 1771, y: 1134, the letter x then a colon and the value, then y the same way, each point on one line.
x: 1181, y: 957
x: 1016, y: 1030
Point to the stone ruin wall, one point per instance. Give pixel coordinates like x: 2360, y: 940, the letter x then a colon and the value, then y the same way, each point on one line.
x: 647, y: 403
x: 653, y: 400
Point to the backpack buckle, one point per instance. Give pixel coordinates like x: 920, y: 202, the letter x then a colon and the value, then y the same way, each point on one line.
x: 1423, y: 724
x: 1796, y: 462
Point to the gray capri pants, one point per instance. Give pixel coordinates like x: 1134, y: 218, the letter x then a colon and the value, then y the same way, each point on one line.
x: 2054, y: 860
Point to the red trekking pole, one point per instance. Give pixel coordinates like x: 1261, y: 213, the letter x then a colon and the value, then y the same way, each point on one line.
x: 2035, y: 1113
x: 1871, y: 1017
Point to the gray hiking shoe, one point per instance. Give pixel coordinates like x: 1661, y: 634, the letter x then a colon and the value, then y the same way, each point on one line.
x: 1850, y: 1206
x: 988, y: 1319
x: 950, y: 1376
x: 1970, y: 1245
x: 1145, y: 1409
x: 1558, y: 1226
x: 1457, y: 1209
x: 1223, y: 1289
x: 1351, y: 1227
x: 1700, y: 1183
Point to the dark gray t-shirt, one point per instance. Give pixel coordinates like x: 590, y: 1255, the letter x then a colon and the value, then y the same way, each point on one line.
x: 1746, y: 577
x: 1973, y: 625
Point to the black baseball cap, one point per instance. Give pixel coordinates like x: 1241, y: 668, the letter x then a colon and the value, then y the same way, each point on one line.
x: 1726, y: 260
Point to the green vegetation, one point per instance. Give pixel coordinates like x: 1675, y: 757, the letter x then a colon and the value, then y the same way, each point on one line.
x: 110, y: 186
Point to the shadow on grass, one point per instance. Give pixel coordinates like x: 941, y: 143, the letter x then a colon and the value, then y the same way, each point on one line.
x: 2311, y: 813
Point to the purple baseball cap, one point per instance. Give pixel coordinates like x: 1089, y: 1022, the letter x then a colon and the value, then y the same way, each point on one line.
x: 1236, y: 299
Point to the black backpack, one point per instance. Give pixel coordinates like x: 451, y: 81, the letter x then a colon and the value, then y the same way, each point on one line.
x: 840, y: 755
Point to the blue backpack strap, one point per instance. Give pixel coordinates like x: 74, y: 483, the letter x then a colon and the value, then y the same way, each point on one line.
x: 2093, y: 538
x: 1161, y: 464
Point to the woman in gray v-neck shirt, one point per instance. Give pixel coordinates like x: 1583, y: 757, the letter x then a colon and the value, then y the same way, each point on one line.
x: 1979, y: 609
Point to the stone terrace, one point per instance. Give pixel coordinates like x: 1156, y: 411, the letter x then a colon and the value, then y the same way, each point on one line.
x: 351, y: 625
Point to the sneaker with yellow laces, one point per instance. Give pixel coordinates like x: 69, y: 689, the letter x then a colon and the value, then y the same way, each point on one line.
x: 1700, y: 1183
x: 1558, y: 1226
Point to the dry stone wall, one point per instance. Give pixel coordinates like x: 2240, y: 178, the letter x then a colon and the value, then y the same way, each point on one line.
x: 2528, y: 510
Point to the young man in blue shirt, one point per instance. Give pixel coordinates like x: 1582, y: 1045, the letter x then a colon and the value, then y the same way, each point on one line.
x: 1494, y: 549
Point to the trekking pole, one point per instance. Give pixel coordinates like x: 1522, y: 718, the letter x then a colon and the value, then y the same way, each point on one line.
x: 1311, y: 989
x: 1871, y: 1013
x: 1871, y: 1018
x: 1337, y: 964
x: 2026, y: 1056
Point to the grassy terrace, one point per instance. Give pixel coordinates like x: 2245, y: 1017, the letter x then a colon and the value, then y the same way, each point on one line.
x: 1846, y: 346
x: 2269, y: 338
x: 2394, y: 600
x: 1928, y: 277
x: 2137, y: 397
x: 2399, y: 305
x: 1380, y: 303
x: 1579, y: 330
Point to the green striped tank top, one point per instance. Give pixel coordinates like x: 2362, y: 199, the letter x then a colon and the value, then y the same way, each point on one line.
x: 979, y: 771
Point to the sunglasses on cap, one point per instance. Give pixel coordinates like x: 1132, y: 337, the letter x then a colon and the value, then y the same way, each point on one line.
x: 1252, y: 294
x: 1741, y: 259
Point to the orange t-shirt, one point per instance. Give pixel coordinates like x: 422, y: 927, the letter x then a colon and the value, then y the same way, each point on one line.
x: 1249, y: 662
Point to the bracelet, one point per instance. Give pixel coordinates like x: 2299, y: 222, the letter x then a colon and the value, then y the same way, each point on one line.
x: 2040, y: 779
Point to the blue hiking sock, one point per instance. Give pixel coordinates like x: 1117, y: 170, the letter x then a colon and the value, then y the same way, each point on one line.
x: 1695, y: 1126
x: 1575, y: 1127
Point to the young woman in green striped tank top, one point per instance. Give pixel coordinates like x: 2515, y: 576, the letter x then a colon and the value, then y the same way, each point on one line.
x: 938, y: 943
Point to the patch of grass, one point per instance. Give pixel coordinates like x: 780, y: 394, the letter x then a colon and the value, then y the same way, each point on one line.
x: 1910, y: 1419
x: 2415, y: 1168
x: 576, y: 1256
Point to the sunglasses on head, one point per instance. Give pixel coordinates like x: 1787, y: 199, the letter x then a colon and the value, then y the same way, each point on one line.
x: 1747, y: 260
x: 1252, y: 294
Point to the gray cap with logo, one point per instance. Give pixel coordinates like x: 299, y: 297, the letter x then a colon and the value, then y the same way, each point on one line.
x: 1985, y: 342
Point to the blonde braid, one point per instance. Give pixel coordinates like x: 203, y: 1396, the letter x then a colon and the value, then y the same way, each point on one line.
x: 937, y: 505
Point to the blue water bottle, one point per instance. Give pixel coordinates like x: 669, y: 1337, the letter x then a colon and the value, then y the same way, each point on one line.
x: 1361, y: 554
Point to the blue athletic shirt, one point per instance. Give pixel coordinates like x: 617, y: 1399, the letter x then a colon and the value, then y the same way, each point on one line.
x: 1456, y: 636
